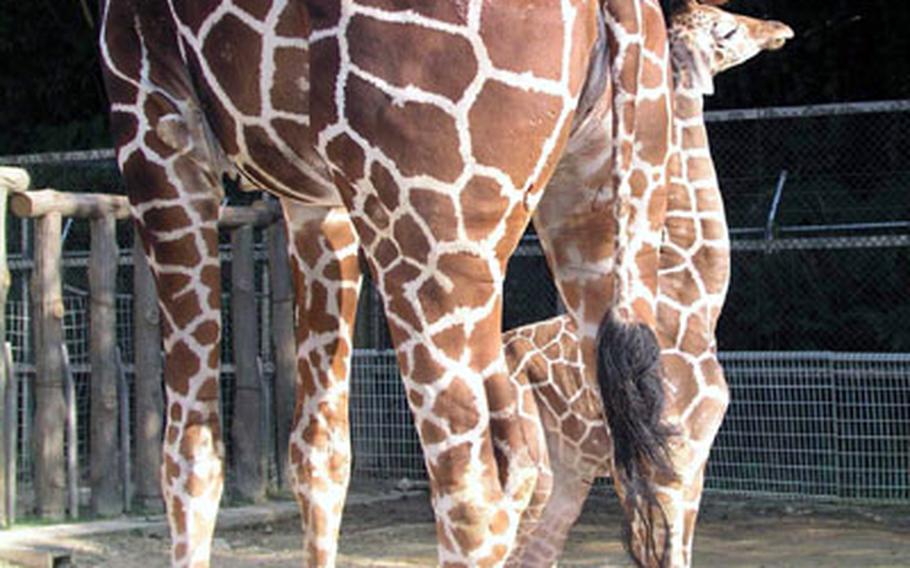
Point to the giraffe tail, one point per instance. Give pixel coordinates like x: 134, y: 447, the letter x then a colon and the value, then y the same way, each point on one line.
x: 628, y: 372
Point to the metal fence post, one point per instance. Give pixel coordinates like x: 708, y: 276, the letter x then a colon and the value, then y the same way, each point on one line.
x: 834, y: 373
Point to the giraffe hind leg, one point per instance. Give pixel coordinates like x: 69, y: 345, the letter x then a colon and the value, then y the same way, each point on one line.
x: 327, y: 281
x: 628, y: 372
x: 174, y: 191
x: 175, y: 203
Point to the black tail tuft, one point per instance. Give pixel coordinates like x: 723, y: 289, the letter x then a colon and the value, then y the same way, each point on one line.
x: 628, y: 371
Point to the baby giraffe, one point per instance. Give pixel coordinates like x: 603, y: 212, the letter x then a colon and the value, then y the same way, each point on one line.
x: 544, y: 358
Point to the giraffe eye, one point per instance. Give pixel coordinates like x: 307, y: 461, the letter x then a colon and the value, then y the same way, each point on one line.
x: 725, y: 32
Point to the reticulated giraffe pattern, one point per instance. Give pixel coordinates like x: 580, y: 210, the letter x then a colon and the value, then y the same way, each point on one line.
x: 423, y: 149
x: 600, y: 222
x: 693, y: 278
x: 440, y: 125
x: 324, y: 250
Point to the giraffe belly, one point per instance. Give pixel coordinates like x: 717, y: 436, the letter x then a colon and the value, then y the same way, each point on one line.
x: 302, y: 180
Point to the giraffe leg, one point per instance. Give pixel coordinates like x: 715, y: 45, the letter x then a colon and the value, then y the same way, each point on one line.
x: 481, y: 455
x: 548, y: 538
x: 172, y: 173
x: 327, y: 280
x: 444, y: 309
x: 603, y: 248
x: 175, y: 201
x: 529, y: 412
x: 440, y: 185
x: 545, y: 357
x: 697, y: 387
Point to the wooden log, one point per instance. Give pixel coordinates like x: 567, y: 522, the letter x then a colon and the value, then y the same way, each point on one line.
x: 97, y: 205
x: 79, y: 205
x: 123, y: 407
x: 248, y: 446
x: 50, y: 406
x: 72, y: 439
x: 104, y: 472
x: 260, y: 214
x: 285, y: 343
x: 148, y: 381
x: 14, y: 180
x: 265, y: 418
x: 35, y: 557
x: 11, y: 434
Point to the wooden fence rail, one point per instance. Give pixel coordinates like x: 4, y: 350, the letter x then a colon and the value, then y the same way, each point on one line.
x: 117, y: 479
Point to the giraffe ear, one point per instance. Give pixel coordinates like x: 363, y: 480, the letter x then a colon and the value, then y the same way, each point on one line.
x: 693, y: 67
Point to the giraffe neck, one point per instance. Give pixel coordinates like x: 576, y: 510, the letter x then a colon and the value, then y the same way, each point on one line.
x: 691, y: 134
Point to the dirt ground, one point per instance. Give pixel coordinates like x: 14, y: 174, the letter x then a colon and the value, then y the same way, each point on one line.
x: 400, y: 533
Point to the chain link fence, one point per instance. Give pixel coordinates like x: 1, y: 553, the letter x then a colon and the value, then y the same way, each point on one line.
x: 814, y: 337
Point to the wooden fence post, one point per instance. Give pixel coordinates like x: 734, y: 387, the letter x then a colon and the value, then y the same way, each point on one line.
x: 104, y: 462
x: 11, y: 434
x: 285, y: 343
x: 11, y: 180
x: 123, y: 406
x: 71, y: 436
x: 248, y: 447
x: 50, y: 407
x: 148, y: 381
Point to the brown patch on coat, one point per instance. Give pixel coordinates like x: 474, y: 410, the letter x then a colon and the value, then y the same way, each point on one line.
x: 420, y: 138
x: 483, y: 206
x: 457, y: 406
x: 233, y: 52
x: 503, y: 114
x: 524, y: 37
x: 443, y: 64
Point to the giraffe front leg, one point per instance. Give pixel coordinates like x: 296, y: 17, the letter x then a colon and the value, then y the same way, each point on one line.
x: 327, y: 278
x: 175, y: 201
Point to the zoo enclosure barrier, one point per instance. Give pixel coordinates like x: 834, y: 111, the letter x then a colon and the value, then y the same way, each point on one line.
x: 81, y: 419
x: 813, y: 338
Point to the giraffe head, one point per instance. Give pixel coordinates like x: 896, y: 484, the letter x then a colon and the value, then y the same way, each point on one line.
x: 706, y: 40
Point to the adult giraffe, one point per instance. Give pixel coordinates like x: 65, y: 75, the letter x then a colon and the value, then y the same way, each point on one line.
x: 328, y: 104
x: 545, y: 358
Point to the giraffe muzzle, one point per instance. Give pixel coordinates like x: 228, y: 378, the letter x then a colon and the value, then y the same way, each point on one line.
x: 782, y: 32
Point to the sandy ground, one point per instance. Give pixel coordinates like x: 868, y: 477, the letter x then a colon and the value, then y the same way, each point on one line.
x: 400, y: 533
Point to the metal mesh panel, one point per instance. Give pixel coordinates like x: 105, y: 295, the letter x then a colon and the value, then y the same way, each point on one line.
x: 383, y: 435
x: 829, y: 293
x: 809, y: 425
x: 823, y: 425
x: 847, y: 163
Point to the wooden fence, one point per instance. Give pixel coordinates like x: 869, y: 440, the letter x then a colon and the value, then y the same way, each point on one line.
x: 118, y: 479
